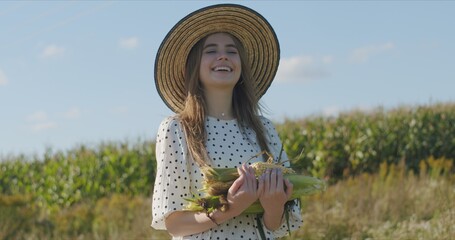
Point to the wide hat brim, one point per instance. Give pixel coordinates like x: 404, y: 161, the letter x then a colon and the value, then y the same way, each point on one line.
x: 251, y: 28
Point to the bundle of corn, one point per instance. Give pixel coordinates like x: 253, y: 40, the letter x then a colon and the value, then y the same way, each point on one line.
x: 217, y: 182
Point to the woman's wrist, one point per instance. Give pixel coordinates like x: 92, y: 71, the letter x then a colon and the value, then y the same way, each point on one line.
x: 218, y: 217
x: 212, y: 219
x: 272, y: 221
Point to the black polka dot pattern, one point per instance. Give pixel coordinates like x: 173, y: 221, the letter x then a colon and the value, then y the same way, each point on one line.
x: 178, y: 176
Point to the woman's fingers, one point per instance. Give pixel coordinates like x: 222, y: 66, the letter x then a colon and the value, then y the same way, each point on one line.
x: 236, y: 185
x: 273, y: 180
x: 241, y: 171
x: 254, y: 182
x: 238, y: 182
x: 261, y: 180
x: 269, y: 183
x: 250, y: 181
x: 250, y: 178
x: 279, y: 180
x: 289, y: 188
x: 247, y: 176
x: 266, y: 177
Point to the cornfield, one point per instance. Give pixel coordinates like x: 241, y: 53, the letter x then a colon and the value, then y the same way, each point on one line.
x: 70, y: 193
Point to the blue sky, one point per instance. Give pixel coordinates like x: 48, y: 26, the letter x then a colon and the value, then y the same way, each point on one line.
x: 82, y: 72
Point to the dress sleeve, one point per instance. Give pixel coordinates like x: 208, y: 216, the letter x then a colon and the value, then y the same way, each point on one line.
x: 294, y: 209
x: 172, y: 182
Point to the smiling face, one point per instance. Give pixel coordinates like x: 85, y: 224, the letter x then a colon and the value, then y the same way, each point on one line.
x: 220, y: 63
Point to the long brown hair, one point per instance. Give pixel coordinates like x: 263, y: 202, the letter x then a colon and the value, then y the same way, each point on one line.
x: 245, y: 104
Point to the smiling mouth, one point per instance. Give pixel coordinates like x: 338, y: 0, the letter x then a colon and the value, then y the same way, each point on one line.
x: 222, y: 69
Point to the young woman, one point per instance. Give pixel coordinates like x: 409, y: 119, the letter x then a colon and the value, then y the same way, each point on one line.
x: 211, y: 69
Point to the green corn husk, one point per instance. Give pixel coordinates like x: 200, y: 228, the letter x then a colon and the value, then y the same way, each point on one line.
x: 217, y: 182
x: 209, y: 204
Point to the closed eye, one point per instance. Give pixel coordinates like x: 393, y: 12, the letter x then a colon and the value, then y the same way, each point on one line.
x: 231, y: 50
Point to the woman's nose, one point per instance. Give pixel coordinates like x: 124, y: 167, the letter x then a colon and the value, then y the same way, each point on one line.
x: 222, y: 56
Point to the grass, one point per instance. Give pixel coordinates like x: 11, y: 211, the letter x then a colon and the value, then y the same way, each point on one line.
x: 392, y: 204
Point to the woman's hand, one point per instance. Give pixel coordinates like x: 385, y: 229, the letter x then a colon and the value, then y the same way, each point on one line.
x: 274, y: 196
x: 244, y: 191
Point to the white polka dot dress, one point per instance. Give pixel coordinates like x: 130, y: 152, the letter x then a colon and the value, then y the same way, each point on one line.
x: 178, y: 176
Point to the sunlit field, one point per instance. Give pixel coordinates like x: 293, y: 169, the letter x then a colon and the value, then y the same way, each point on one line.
x: 393, y: 204
x: 390, y: 175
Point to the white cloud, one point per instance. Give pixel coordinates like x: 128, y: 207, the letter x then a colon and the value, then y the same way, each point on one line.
x: 37, y: 127
x: 303, y: 68
x: 73, y: 113
x: 327, y: 59
x: 129, y: 43
x: 37, y: 117
x: 332, y: 111
x: 3, y: 79
x: 52, y: 51
x: 361, y: 55
x: 39, y: 121
x: 365, y: 108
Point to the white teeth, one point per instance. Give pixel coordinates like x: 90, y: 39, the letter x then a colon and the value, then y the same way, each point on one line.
x: 223, y: 69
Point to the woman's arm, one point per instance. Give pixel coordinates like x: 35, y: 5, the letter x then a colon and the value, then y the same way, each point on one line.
x: 277, y: 189
x: 241, y: 195
x: 274, y: 197
x: 183, y: 223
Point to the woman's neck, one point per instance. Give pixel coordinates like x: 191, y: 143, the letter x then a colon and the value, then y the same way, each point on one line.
x: 219, y: 104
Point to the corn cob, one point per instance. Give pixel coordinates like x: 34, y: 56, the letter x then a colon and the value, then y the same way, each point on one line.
x: 217, y: 182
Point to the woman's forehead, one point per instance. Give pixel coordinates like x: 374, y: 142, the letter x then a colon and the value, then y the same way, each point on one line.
x: 225, y: 38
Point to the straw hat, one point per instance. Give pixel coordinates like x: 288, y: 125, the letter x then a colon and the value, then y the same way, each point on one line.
x: 252, y: 29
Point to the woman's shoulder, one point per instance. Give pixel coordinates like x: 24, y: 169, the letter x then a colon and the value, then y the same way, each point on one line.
x: 269, y: 127
x: 170, y: 118
x: 265, y: 121
x: 170, y: 122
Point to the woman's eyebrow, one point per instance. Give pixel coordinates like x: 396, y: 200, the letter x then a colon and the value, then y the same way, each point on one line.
x: 215, y: 45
